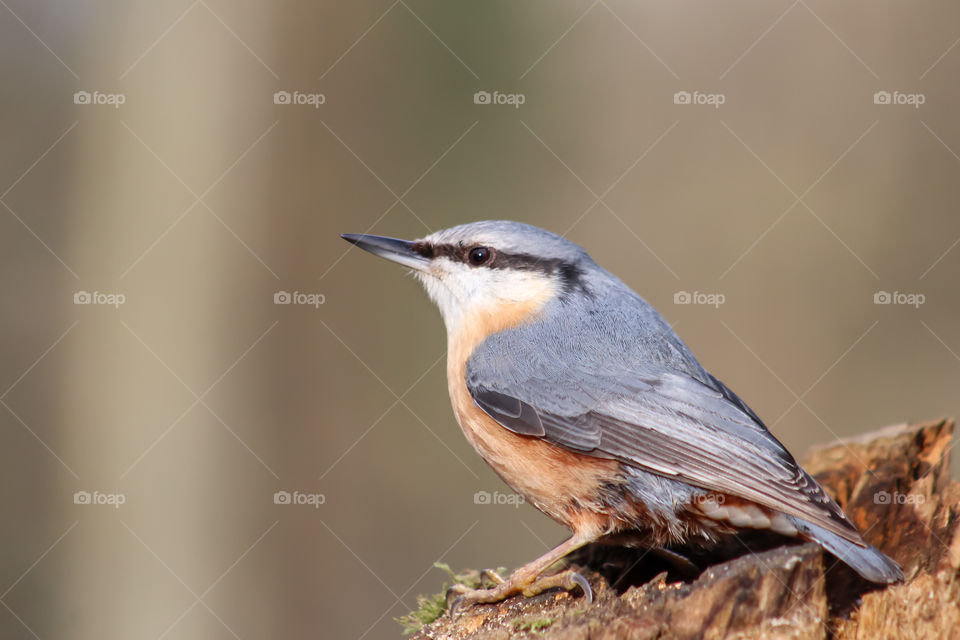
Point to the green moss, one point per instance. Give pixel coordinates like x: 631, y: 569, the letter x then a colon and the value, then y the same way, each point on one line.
x: 429, y: 608
x: 536, y: 624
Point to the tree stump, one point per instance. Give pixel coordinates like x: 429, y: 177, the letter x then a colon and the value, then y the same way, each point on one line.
x: 893, y: 483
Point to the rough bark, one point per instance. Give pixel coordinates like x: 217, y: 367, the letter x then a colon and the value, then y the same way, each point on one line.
x: 894, y: 483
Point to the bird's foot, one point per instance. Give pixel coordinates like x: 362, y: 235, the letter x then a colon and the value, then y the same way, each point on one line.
x: 461, y: 597
x: 492, y: 576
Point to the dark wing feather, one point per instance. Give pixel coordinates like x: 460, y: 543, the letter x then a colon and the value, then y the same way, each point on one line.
x: 666, y: 423
x: 511, y: 413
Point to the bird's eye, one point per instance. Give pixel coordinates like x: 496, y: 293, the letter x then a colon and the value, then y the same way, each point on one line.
x: 479, y: 256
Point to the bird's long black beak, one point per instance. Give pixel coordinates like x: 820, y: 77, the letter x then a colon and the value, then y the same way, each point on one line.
x: 393, y: 249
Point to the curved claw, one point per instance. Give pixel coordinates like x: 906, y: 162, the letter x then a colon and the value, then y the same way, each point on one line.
x: 584, y: 586
x: 455, y: 607
x: 457, y: 590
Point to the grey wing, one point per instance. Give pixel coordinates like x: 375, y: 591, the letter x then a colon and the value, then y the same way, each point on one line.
x: 661, y: 421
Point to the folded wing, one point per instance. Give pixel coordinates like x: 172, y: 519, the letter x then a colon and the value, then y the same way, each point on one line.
x: 662, y: 421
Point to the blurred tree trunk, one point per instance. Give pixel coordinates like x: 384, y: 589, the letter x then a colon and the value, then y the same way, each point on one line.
x: 130, y: 427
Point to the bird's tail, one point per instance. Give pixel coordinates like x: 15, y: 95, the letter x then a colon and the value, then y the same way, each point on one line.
x: 868, y: 561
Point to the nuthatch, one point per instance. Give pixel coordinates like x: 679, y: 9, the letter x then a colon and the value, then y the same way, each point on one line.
x: 582, y: 398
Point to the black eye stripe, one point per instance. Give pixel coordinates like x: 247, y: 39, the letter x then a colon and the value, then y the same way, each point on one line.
x: 424, y: 249
x: 571, y: 274
x: 503, y: 260
x: 427, y: 250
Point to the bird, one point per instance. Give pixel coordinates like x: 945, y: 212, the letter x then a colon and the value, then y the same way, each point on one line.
x: 582, y: 398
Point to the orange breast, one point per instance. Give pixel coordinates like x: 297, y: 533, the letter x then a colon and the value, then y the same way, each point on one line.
x: 561, y: 483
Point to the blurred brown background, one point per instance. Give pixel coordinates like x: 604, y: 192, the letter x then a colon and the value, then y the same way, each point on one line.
x: 798, y: 199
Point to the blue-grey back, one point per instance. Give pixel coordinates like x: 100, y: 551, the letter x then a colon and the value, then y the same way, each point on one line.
x: 600, y: 329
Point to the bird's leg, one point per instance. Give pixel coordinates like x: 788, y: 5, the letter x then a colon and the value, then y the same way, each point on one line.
x: 526, y: 579
x: 487, y: 575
